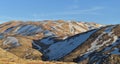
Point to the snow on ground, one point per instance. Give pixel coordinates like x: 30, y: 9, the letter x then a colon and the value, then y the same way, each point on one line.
x: 28, y: 30
x: 61, y: 48
x: 108, y: 30
x: 11, y: 40
x: 112, y: 45
x: 47, y: 41
x: 48, y: 33
x: 23, y: 28
x: 15, y: 31
x: 98, y: 56
x: 95, y: 46
x: 80, y: 28
x: 33, y: 30
x: 71, y: 28
x: 38, y: 47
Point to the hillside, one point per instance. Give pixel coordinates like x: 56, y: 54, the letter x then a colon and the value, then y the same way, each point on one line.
x: 9, y: 58
x: 58, y: 28
x: 48, y: 40
x: 98, y: 46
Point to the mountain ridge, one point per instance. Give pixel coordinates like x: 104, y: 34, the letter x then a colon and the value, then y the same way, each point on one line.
x: 106, y: 38
x: 79, y: 42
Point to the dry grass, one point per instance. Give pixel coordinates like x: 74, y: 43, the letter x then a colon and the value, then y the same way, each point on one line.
x: 9, y: 58
x: 24, y: 51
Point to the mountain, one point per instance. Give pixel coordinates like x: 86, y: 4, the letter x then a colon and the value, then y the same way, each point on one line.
x: 58, y: 28
x: 46, y: 40
x: 97, y: 46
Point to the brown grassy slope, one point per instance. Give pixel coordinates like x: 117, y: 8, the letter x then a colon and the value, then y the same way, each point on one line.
x: 9, y: 58
x: 25, y: 50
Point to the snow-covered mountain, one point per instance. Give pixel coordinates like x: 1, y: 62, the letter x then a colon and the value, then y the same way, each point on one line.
x: 58, y: 28
x: 70, y: 41
x: 97, y: 46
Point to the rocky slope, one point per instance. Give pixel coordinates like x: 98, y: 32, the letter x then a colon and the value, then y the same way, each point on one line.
x: 18, y: 37
x: 79, y: 42
x: 97, y: 46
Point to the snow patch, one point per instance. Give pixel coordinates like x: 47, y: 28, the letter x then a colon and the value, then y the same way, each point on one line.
x: 48, y: 33
x: 61, y: 48
x: 28, y: 30
x: 11, y: 41
x: 38, y: 47
x: 47, y: 41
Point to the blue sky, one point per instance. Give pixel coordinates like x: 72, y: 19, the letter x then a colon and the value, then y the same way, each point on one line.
x: 99, y: 11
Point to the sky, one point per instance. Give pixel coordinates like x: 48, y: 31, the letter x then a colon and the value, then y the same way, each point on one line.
x: 99, y: 11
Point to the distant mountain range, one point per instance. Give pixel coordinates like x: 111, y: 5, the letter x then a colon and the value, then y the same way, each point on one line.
x: 76, y: 42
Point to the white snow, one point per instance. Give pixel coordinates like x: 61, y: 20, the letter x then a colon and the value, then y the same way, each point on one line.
x: 109, y: 29
x: 98, y: 40
x: 89, y: 25
x: 47, y: 41
x: 28, y: 30
x: 71, y: 28
x: 115, y: 38
x: 57, y: 26
x: 108, y: 48
x: 61, y: 48
x: 39, y: 48
x: 23, y: 28
x: 80, y: 28
x: 65, y: 37
x: 15, y: 31
x: 94, y: 45
x: 114, y: 43
x: 33, y: 30
x: 48, y: 33
x: 11, y: 40
x: 60, y: 25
